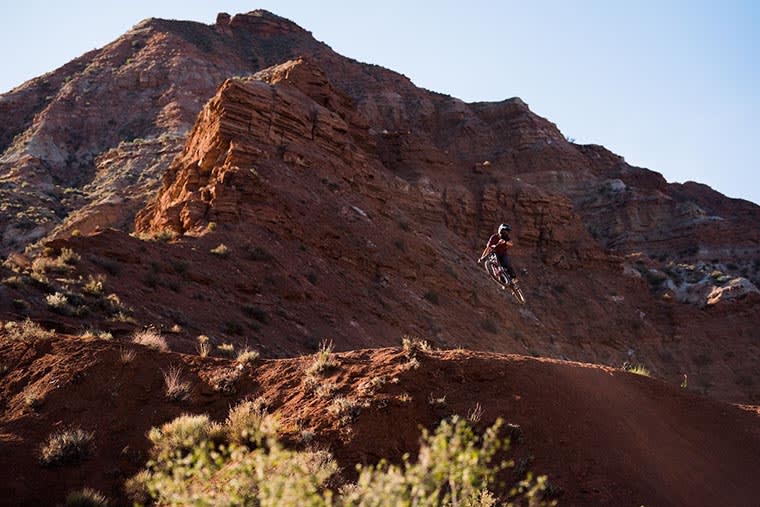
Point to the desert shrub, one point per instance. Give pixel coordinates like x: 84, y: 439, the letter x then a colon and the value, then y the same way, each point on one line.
x: 226, y: 349
x: 324, y: 360
x: 225, y: 380
x: 411, y: 345
x: 203, y: 345
x: 86, y: 498
x: 112, y: 305
x: 639, y: 369
x: 32, y: 401
x: 455, y: 467
x: 92, y: 334
x: 179, y: 437
x: 221, y: 250
x: 136, y: 488
x: 247, y: 356
x: 437, y: 401
x: 66, y: 447
x: 176, y: 388
x: 161, y: 235
x: 248, y: 423
x: 310, y: 383
x: 27, y: 332
x: 323, y: 389
x: 68, y: 256
x: 94, y: 285
x: 655, y: 278
x: 152, y: 339
x: 60, y: 264
x: 59, y: 303
x: 344, y: 409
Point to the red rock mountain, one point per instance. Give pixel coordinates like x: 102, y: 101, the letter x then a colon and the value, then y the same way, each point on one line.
x: 244, y: 182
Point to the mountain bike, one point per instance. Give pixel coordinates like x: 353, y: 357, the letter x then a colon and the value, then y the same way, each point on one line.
x: 499, y: 275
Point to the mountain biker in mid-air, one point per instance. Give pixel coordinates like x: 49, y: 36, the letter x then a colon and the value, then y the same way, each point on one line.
x: 500, y: 244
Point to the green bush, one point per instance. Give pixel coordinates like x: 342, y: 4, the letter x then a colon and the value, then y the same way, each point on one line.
x: 178, y: 438
x: 454, y: 467
x: 249, y: 424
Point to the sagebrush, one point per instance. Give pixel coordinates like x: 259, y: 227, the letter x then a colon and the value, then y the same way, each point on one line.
x: 198, y: 462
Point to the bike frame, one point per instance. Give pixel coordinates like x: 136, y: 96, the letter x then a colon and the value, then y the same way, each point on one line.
x: 499, y: 274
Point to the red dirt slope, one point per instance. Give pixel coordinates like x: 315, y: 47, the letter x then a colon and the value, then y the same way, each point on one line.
x: 606, y: 437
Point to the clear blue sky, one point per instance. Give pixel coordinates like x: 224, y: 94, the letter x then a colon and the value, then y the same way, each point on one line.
x: 672, y: 86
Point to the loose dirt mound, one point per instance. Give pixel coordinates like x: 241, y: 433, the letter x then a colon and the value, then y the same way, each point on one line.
x: 602, y: 435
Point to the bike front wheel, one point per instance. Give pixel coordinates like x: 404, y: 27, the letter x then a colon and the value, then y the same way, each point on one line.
x: 518, y: 294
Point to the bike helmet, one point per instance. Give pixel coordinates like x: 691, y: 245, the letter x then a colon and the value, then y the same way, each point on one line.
x: 504, y: 228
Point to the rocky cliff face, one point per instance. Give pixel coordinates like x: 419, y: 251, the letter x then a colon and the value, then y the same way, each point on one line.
x: 352, y: 205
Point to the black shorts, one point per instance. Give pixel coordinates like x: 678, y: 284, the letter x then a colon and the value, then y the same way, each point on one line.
x: 507, y: 264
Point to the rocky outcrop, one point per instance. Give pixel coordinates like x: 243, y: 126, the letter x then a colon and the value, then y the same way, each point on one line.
x: 246, y: 123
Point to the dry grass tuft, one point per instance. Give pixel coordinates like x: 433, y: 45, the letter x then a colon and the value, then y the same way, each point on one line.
x: 437, y: 402
x: 412, y: 346
x: 475, y: 414
x: 152, y: 339
x: 344, y: 409
x: 86, y: 497
x: 94, y: 285
x: 226, y: 350
x: 249, y: 423
x: 640, y: 369
x: 66, y: 447
x: 326, y: 389
x: 247, y: 356
x: 225, y: 380
x: 203, y: 346
x: 324, y: 360
x: 27, y: 332
x: 126, y: 356
x: 176, y: 388
x: 221, y: 250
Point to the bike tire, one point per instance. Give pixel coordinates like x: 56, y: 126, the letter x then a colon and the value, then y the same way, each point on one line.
x: 518, y: 294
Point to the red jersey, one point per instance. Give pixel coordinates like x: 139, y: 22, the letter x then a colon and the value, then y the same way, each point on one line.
x: 500, y: 249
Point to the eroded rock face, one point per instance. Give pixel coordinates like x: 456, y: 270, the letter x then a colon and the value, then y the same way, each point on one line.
x: 143, y: 88
x: 292, y: 116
